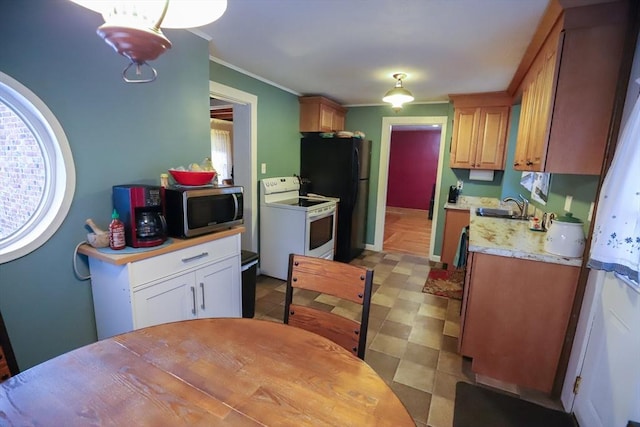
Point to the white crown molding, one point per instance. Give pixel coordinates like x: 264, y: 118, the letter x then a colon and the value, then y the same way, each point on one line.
x: 255, y: 76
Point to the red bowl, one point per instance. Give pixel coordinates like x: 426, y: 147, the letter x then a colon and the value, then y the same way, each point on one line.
x: 191, y: 177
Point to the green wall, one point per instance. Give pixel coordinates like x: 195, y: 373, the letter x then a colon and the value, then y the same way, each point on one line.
x: 118, y: 133
x: 278, y: 121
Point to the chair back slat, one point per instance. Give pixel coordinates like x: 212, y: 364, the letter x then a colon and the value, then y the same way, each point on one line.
x: 344, y: 332
x: 348, y: 282
x: 333, y: 278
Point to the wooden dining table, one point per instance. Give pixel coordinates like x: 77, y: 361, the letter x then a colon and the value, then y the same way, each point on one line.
x: 205, y: 372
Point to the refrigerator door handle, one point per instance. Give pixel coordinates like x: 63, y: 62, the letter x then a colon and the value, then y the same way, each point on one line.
x: 356, y: 175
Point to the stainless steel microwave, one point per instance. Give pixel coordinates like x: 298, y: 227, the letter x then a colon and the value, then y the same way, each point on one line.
x: 192, y: 212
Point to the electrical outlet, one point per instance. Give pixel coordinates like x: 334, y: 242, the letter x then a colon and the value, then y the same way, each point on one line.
x: 459, y: 185
x: 567, y: 203
x: 263, y: 168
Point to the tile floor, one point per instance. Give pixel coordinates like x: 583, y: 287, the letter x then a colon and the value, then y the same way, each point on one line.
x: 412, y: 337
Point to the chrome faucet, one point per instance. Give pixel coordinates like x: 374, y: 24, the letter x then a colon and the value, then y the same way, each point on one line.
x: 522, y: 204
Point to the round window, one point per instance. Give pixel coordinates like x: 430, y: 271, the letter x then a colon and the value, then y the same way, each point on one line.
x: 37, y: 174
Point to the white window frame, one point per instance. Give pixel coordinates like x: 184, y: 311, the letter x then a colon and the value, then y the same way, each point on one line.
x: 60, y: 173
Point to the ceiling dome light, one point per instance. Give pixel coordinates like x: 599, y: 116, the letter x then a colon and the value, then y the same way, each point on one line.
x: 398, y: 95
x: 132, y: 27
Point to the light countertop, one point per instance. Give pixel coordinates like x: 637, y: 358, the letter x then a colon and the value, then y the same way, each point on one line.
x: 511, y: 238
x: 466, y: 203
x: 505, y: 237
x: 176, y: 244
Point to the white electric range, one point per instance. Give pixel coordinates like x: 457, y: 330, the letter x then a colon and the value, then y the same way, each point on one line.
x: 290, y: 223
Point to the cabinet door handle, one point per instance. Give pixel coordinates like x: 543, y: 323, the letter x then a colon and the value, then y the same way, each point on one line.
x: 192, y: 258
x: 529, y: 162
x: 193, y: 293
x: 202, y: 288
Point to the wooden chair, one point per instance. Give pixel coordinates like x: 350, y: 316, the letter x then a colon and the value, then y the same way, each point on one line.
x: 345, y: 281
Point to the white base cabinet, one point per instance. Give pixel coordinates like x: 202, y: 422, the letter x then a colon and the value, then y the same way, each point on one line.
x: 199, y: 281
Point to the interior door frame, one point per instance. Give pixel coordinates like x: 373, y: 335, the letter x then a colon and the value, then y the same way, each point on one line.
x: 245, y: 154
x: 383, y: 172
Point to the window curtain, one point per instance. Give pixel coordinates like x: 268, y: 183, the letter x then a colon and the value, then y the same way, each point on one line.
x: 221, y: 153
x: 615, y: 244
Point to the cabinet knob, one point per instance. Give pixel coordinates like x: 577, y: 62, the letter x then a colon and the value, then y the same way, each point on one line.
x: 529, y: 163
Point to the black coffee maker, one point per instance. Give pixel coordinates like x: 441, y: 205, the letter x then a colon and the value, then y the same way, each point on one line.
x: 454, y: 192
x: 140, y: 209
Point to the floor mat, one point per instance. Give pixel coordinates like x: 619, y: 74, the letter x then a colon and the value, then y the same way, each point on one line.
x: 476, y: 406
x: 444, y: 283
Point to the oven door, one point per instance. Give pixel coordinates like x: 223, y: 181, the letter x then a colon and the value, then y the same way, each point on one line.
x: 320, y: 232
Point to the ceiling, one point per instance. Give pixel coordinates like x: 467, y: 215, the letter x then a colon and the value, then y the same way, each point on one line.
x: 348, y: 50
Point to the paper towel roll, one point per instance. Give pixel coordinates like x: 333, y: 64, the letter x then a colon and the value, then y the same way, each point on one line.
x: 480, y: 175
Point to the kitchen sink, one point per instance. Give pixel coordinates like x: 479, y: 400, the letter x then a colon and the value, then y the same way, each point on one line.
x: 499, y: 213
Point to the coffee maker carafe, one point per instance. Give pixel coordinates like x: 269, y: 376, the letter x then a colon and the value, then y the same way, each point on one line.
x: 140, y: 209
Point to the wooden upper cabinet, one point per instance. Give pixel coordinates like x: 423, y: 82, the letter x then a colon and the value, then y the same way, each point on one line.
x: 568, y: 92
x: 320, y: 114
x: 480, y: 126
x: 533, y: 130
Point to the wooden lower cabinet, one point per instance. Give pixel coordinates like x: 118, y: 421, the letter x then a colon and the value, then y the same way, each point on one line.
x: 515, y: 314
x: 454, y: 221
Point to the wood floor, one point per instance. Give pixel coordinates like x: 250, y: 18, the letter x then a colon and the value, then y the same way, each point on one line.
x: 407, y: 231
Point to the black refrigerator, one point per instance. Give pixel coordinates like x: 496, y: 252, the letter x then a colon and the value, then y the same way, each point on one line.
x: 339, y: 167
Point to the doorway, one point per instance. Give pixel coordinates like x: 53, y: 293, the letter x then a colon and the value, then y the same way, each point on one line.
x: 221, y: 124
x: 388, y: 125
x: 245, y: 173
x: 413, y: 165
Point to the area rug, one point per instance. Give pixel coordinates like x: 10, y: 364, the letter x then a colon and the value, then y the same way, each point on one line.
x: 477, y: 406
x: 444, y: 283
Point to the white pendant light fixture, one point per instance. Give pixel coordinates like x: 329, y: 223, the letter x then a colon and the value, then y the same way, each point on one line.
x: 398, y: 95
x: 132, y: 27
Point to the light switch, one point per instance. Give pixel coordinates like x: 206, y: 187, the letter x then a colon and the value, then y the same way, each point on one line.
x: 567, y: 203
x: 590, y: 217
x: 263, y: 168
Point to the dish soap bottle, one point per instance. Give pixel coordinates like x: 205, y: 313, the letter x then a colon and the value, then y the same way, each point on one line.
x: 116, y: 232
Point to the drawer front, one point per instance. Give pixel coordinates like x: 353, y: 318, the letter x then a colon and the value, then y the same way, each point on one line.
x: 147, y: 270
